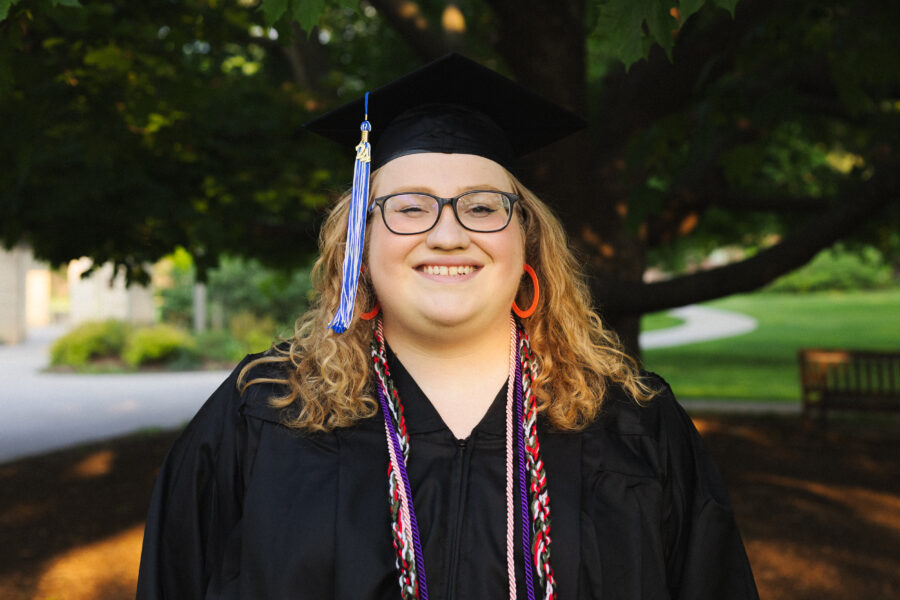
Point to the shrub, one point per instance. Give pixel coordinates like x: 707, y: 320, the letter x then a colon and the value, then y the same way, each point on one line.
x: 90, y: 340
x: 237, y: 286
x: 254, y: 334
x: 838, y: 269
x: 245, y: 285
x: 157, y: 344
x: 219, y: 346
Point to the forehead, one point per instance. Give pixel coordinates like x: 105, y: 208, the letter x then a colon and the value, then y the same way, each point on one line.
x: 442, y: 174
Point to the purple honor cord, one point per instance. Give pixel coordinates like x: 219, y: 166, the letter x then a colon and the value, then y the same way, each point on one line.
x: 523, y: 492
x: 401, y: 461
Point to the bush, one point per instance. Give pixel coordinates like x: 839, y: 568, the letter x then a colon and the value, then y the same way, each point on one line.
x: 88, y: 341
x: 251, y: 332
x: 157, y: 344
x: 219, y: 346
x: 237, y: 286
x: 838, y: 269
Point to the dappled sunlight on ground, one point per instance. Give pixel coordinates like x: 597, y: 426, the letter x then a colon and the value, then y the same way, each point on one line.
x: 879, y: 509
x: 819, y: 511
x: 104, y: 570
x: 707, y: 426
x: 821, y: 571
x: 24, y: 512
x: 97, y: 464
x: 773, y: 564
x: 704, y: 426
x: 71, y: 521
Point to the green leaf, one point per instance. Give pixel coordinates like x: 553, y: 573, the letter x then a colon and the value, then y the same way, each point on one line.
x: 727, y: 5
x: 273, y: 10
x: 688, y: 8
x: 622, y: 21
x: 73, y: 3
x: 661, y: 24
x: 4, y: 8
x: 307, y: 12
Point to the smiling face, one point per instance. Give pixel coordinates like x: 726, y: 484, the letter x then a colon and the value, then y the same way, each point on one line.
x: 447, y: 277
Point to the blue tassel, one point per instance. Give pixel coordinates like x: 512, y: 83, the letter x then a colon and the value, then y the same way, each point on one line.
x: 356, y: 227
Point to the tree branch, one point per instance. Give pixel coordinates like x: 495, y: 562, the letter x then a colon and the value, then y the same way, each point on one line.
x: 622, y: 297
x: 777, y: 204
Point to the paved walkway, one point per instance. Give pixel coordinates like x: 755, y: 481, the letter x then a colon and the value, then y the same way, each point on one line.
x: 700, y: 324
x: 41, y: 411
x: 44, y: 411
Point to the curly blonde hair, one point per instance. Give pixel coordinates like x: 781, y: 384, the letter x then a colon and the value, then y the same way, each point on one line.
x: 327, y: 377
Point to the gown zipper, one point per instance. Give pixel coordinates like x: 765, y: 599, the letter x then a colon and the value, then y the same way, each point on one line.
x: 464, y: 453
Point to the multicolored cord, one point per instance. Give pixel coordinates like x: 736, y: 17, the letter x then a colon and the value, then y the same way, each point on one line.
x: 540, y: 497
x: 410, y: 561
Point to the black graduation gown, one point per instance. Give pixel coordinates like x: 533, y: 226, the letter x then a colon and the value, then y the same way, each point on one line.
x: 247, y: 508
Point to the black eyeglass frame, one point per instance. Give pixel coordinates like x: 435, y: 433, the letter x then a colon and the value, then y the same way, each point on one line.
x: 442, y: 202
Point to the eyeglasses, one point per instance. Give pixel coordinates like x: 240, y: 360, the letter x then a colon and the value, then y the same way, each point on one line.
x: 482, y: 211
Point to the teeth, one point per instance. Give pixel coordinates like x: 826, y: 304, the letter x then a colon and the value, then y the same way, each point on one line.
x: 453, y: 271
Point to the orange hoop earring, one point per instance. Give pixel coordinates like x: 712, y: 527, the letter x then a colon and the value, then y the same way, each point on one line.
x: 524, y: 314
x: 371, y: 314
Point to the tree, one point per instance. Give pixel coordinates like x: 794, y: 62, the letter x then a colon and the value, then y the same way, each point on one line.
x: 765, y: 121
x: 742, y: 121
x: 133, y: 128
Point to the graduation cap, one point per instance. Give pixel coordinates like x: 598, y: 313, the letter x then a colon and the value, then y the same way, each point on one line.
x: 453, y: 106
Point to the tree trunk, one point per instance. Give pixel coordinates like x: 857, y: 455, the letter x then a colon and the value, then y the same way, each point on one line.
x: 544, y: 45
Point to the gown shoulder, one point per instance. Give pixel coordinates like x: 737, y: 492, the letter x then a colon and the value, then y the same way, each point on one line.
x: 645, y: 462
x: 198, y: 494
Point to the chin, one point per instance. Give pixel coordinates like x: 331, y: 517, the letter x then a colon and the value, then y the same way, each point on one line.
x: 450, y: 318
x: 457, y: 316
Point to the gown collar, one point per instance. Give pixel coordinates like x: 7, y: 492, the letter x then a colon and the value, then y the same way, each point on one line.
x: 422, y: 417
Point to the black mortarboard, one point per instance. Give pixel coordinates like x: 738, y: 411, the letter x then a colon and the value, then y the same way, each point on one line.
x: 453, y: 106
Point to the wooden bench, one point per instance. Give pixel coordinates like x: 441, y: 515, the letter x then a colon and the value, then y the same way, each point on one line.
x: 848, y: 380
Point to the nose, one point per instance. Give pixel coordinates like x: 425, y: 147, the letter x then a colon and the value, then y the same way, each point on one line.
x: 447, y: 234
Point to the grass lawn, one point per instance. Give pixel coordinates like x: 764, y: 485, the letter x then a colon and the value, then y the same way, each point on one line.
x: 659, y: 320
x: 762, y: 364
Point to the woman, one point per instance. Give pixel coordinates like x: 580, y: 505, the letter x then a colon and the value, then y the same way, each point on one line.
x: 425, y: 451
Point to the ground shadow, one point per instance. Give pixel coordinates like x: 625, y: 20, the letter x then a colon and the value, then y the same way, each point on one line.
x: 72, y: 499
x: 819, y: 511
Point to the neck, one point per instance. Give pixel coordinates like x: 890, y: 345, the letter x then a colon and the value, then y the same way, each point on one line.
x: 450, y: 347
x: 459, y: 374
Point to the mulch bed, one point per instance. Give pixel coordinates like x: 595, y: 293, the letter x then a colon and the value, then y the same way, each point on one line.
x: 819, y: 511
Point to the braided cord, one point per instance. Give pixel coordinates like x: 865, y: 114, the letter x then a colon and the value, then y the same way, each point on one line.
x: 510, y: 445
x: 410, y: 559
x: 540, y: 499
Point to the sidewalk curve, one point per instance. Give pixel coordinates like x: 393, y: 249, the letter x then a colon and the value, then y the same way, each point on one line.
x: 701, y: 324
